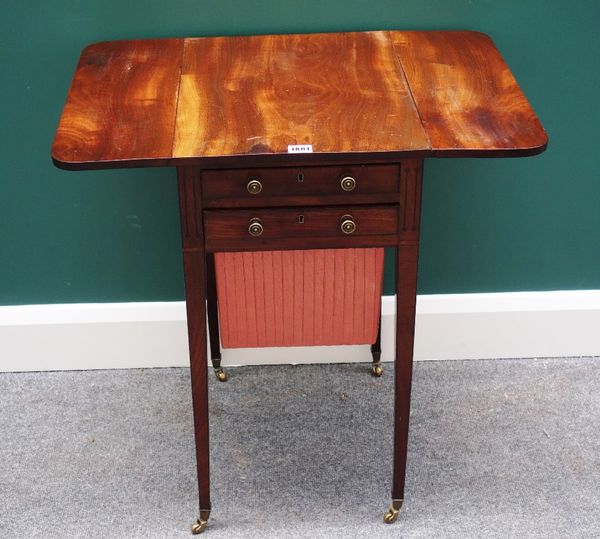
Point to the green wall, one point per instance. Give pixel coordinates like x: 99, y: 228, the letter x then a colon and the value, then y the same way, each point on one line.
x: 488, y: 225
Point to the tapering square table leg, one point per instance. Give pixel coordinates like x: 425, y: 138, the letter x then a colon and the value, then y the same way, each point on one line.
x: 407, y: 255
x: 406, y: 274
x: 194, y: 261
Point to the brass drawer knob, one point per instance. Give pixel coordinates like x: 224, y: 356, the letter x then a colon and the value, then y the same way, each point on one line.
x: 347, y: 224
x: 254, y: 186
x: 348, y: 183
x: 255, y: 227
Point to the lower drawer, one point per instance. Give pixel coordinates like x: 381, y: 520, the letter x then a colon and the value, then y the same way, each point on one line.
x: 251, y: 228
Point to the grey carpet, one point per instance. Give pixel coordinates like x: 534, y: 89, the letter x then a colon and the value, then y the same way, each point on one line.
x: 505, y: 448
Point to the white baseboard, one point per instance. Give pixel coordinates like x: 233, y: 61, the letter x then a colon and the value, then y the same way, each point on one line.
x: 153, y: 334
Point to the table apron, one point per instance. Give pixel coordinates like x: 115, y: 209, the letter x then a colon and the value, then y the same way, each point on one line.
x: 276, y: 244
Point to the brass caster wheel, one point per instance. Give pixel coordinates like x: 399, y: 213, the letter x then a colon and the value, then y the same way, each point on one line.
x: 199, y: 526
x: 393, y: 512
x: 390, y: 516
x: 377, y: 369
x: 220, y: 374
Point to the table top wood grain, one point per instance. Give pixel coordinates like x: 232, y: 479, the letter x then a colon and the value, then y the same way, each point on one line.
x: 371, y: 96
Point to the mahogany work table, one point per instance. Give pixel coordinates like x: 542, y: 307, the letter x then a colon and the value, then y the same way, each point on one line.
x: 296, y: 142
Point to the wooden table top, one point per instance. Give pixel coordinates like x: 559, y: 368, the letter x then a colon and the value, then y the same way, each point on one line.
x: 229, y: 100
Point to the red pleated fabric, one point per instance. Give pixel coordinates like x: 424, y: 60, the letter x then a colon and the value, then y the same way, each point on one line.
x: 299, y: 298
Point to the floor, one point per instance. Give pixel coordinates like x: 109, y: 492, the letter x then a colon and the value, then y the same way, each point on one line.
x: 498, y: 448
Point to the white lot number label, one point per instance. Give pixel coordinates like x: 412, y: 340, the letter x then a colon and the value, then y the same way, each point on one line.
x: 299, y: 148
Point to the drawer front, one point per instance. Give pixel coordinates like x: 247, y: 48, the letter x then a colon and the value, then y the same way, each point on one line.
x: 260, y: 226
x: 254, y: 186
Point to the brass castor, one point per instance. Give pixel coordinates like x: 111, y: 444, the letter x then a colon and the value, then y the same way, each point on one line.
x: 200, y: 525
x: 393, y: 512
x: 377, y: 369
x: 220, y: 374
